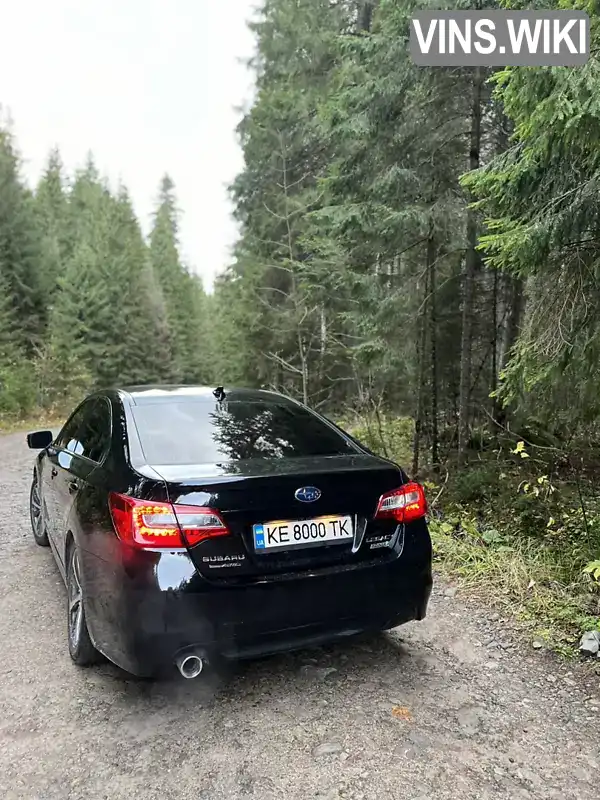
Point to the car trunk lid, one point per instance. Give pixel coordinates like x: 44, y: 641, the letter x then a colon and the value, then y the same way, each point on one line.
x: 258, y: 491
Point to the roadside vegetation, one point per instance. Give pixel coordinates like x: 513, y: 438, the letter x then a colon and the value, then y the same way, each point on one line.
x: 419, y: 255
x: 518, y: 527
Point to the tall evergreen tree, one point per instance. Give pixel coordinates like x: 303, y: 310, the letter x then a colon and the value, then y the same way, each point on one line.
x: 140, y: 313
x: 88, y: 315
x: 52, y: 214
x: 19, y: 248
x: 542, y: 209
x: 182, y: 293
x: 284, y: 335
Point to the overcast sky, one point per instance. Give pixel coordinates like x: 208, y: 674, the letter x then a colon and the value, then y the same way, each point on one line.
x: 149, y: 86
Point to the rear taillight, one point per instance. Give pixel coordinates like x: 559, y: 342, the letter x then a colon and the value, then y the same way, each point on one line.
x: 145, y: 524
x: 404, y: 504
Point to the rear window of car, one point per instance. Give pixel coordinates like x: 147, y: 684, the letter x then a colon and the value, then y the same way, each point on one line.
x: 198, y: 432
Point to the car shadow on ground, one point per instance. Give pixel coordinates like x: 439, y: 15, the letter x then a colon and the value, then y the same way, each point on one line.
x: 381, y: 660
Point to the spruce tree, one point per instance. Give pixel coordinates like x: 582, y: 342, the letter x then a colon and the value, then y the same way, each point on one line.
x: 140, y: 314
x: 51, y: 208
x: 182, y: 292
x: 20, y: 249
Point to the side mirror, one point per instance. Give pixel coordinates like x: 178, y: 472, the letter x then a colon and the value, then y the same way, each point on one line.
x: 39, y: 440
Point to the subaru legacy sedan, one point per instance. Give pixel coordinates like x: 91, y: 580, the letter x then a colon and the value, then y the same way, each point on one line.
x: 197, y: 525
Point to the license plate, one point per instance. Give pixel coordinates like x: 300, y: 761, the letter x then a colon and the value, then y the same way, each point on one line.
x: 302, y: 533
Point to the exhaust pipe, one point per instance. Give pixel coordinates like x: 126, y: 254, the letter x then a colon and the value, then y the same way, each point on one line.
x: 190, y: 665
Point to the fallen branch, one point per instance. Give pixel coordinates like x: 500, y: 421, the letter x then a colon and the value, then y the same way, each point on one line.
x: 441, y: 491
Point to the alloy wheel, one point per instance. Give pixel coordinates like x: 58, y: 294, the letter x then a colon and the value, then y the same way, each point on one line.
x: 36, y: 509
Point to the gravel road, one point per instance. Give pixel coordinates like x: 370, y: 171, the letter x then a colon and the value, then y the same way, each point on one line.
x: 448, y: 708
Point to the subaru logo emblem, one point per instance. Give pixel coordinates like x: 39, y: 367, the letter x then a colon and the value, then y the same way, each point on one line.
x: 307, y: 494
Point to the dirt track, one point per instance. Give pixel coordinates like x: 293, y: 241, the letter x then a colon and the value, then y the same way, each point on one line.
x: 476, y: 715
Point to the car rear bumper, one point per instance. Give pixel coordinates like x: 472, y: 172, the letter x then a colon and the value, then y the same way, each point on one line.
x: 142, y: 627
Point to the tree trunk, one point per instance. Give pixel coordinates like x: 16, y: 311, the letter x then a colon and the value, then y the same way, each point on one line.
x: 471, y: 261
x: 420, y: 380
x: 495, y: 337
x: 279, y: 377
x: 431, y: 270
x: 304, y: 368
x: 322, y: 347
x: 494, y: 381
x: 516, y: 301
x: 365, y: 14
x: 515, y: 309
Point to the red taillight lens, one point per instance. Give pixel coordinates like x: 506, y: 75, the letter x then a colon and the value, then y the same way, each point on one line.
x: 404, y: 504
x: 145, y: 524
x: 199, y: 523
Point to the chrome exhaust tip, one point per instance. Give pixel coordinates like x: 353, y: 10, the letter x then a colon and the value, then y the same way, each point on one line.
x: 190, y: 665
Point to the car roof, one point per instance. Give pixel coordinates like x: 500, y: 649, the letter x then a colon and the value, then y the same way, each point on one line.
x: 159, y: 393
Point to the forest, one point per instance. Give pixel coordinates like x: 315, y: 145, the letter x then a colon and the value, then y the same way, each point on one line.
x: 417, y: 258
x: 85, y: 301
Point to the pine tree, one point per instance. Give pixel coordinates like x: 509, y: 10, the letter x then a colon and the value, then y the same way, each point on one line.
x: 70, y: 352
x: 149, y: 334
x: 52, y: 208
x: 280, y: 331
x: 17, y: 384
x: 140, y: 313
x: 8, y: 335
x: 85, y: 316
x: 541, y: 203
x: 182, y: 293
x: 19, y: 249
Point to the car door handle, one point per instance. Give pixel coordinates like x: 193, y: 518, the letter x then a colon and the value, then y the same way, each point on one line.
x: 53, y: 472
x: 73, y: 486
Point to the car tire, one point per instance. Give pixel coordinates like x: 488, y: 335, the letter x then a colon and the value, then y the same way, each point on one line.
x: 35, y: 514
x: 81, y: 648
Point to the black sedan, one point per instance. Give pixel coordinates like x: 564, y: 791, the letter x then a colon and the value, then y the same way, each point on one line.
x: 193, y: 525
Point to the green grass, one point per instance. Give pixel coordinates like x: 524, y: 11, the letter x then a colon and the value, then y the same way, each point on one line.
x: 543, y: 589
x: 517, y: 537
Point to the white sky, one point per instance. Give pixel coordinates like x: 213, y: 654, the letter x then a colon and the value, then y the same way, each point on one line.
x: 149, y: 86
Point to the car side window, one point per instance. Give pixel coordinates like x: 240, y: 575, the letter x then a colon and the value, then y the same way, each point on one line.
x: 95, y: 435
x: 88, y: 432
x: 68, y: 437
